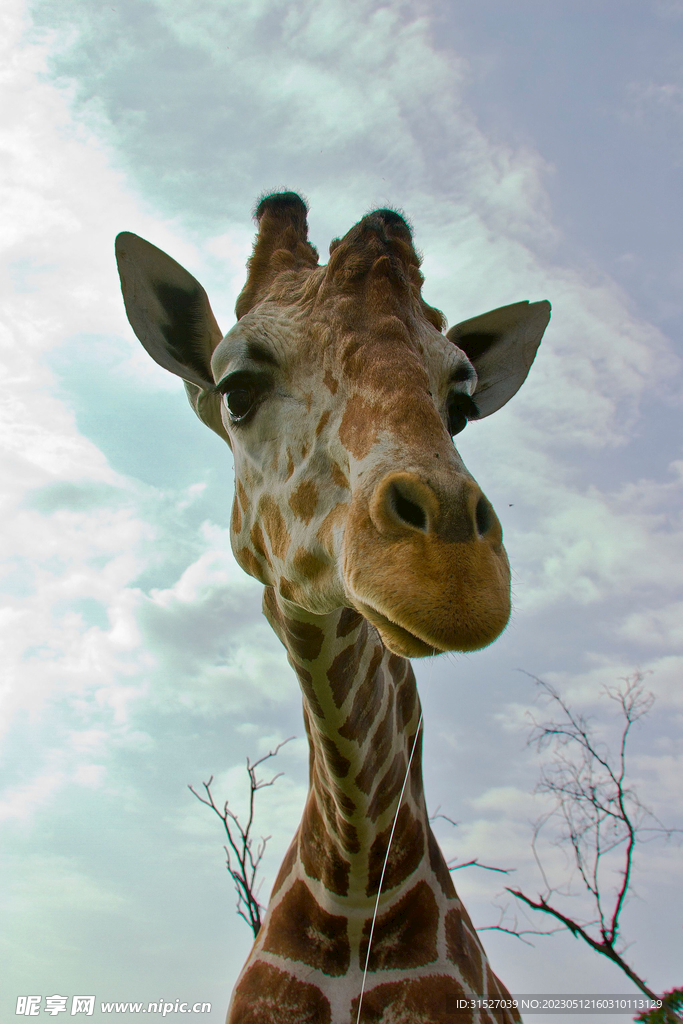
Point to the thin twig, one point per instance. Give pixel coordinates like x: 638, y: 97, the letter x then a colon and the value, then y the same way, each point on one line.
x: 514, y: 929
x: 474, y: 863
x: 243, y: 858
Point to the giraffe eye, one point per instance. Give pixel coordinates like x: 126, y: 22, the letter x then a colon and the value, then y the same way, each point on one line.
x: 460, y: 409
x: 239, y: 401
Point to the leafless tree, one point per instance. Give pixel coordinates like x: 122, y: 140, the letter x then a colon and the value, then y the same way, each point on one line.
x: 243, y: 858
x: 597, y: 812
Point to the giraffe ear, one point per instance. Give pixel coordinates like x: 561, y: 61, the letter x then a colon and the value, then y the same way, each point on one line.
x: 169, y: 311
x: 501, y: 345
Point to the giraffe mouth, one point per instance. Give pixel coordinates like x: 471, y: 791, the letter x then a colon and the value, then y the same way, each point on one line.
x: 397, y: 639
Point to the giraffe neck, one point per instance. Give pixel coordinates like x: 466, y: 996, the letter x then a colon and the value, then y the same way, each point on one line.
x: 361, y: 711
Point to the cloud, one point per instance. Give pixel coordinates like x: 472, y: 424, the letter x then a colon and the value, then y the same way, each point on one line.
x: 213, y: 651
x: 595, y: 544
x: 661, y: 628
x: 603, y: 670
x: 57, y: 882
x: 668, y: 95
x: 669, y: 8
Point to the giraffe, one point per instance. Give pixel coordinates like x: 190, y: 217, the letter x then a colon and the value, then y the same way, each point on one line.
x: 339, y: 392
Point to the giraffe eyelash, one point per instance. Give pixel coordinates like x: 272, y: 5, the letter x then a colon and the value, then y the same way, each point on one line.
x: 460, y: 409
x: 247, y: 390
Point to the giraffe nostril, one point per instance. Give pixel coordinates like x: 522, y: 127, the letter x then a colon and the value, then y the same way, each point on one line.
x: 406, y: 510
x: 402, y: 504
x: 483, y: 516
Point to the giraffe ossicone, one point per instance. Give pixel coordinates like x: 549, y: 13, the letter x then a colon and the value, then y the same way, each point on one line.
x: 339, y: 392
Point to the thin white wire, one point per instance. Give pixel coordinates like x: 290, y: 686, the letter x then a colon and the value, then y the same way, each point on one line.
x: 384, y: 867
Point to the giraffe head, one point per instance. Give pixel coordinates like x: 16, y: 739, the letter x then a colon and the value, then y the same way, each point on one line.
x: 339, y: 394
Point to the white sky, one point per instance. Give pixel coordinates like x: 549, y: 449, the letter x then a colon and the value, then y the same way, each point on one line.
x: 537, y: 150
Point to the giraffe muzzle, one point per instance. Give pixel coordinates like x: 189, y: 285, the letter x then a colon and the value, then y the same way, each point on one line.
x: 425, y: 563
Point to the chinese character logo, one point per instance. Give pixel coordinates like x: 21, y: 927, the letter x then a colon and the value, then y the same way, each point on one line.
x: 28, y: 1006
x: 83, y: 1004
x: 55, y: 1004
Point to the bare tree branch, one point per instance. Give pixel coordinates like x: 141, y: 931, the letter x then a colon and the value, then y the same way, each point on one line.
x: 474, y: 863
x: 243, y: 858
x: 437, y: 814
x: 604, y: 947
x: 514, y: 929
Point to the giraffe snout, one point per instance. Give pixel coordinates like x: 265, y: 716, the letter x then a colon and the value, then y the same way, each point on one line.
x: 424, y: 562
x: 404, y: 503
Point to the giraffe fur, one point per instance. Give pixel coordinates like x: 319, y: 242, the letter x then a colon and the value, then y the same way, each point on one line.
x: 339, y: 390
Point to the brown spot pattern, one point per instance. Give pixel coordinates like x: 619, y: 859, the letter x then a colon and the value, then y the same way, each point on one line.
x: 241, y: 495
x: 405, y: 853
x: 378, y: 752
x: 274, y: 525
x: 335, y: 760
x: 349, y: 620
x: 301, y: 930
x: 236, y: 518
x: 406, y: 699
x: 464, y: 951
x: 366, y: 702
x: 258, y: 542
x: 398, y: 666
x: 319, y: 855
x: 288, y: 863
x: 427, y: 1000
x: 266, y: 995
x: 325, y: 532
x: 322, y: 423
x: 344, y: 801
x: 416, y: 783
x: 271, y: 609
x: 330, y: 382
x: 439, y: 866
x: 405, y: 936
x: 304, y: 500
x: 307, y: 688
x: 308, y: 565
x: 250, y: 563
x: 287, y: 589
x: 388, y: 787
x: 348, y: 836
x: 496, y: 990
x: 357, y: 431
x: 344, y: 669
x: 339, y: 476
x: 303, y: 638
